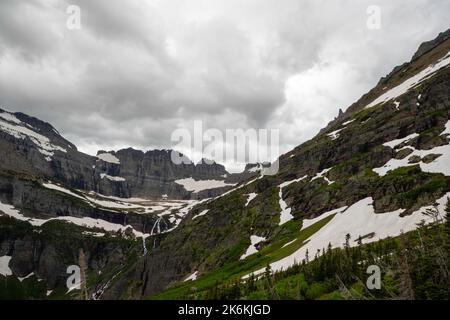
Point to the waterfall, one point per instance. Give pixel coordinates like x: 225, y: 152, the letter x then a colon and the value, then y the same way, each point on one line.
x: 144, y: 246
x: 156, y: 229
x: 156, y: 225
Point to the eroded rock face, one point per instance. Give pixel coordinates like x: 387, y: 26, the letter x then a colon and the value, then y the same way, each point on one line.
x: 153, y: 174
x: 49, y: 251
x: 132, y: 173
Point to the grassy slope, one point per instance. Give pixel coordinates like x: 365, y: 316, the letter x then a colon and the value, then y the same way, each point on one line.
x: 238, y: 269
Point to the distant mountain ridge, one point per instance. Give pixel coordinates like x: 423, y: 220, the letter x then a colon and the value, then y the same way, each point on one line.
x: 136, y: 173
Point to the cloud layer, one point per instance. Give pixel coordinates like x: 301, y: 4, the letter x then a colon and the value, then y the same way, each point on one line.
x: 137, y: 70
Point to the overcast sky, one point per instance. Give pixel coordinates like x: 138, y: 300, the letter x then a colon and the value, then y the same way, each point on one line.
x: 137, y: 70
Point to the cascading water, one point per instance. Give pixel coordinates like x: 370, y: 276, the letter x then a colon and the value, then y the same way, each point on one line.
x: 144, y: 246
x: 156, y: 226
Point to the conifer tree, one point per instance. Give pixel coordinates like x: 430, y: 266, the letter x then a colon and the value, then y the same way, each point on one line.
x: 347, y: 241
x: 447, y: 218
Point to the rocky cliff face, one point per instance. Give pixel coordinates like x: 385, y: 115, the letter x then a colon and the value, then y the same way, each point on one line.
x: 33, y: 147
x: 45, y: 181
x: 45, y: 254
x: 151, y: 174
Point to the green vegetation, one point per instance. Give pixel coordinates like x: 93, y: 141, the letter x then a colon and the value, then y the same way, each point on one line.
x: 413, y: 266
x: 13, y: 289
x: 409, y: 187
x: 233, y: 271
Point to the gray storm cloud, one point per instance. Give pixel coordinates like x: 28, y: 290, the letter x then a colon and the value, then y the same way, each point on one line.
x: 138, y: 70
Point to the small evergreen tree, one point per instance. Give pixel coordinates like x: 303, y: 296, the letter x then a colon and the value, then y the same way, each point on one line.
x: 329, y: 247
x: 347, y: 241
x: 447, y: 217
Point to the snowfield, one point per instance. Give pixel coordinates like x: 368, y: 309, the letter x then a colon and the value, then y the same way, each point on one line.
x: 108, y: 157
x: 250, y: 198
x: 252, y: 248
x: 358, y: 220
x: 285, y: 214
x: 309, y: 222
x: 394, y: 143
x: 348, y: 122
x: 176, y: 210
x: 116, y: 204
x: 439, y: 165
x: 201, y: 214
x: 192, y: 277
x: 14, y: 127
x: 321, y: 175
x: 335, y: 134
x: 9, y: 117
x: 4, y: 266
x: 83, y: 222
x: 195, y: 186
x: 411, y: 82
x: 55, y: 187
x: 111, y: 178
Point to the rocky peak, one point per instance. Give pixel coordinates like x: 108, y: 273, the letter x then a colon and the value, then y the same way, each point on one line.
x: 430, y: 45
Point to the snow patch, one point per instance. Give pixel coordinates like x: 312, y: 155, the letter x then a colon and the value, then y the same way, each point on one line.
x: 238, y: 188
x: 192, y: 277
x: 86, y: 222
x: 4, y: 266
x: 201, y: 214
x: 18, y: 131
x: 321, y: 175
x: 411, y: 82
x: 26, y: 277
x: 335, y: 134
x: 309, y: 222
x: 348, y: 122
x: 447, y: 129
x: 195, y: 186
x: 9, y: 117
x: 111, y: 178
x: 359, y: 220
x: 250, y: 198
x: 55, y: 187
x: 394, y: 143
x: 108, y: 157
x: 252, y: 248
x: 285, y: 214
x: 439, y: 165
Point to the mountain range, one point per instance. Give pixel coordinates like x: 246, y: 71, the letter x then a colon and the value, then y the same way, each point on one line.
x: 143, y: 227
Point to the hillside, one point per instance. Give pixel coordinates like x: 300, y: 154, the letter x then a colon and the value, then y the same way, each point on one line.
x: 373, y: 173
